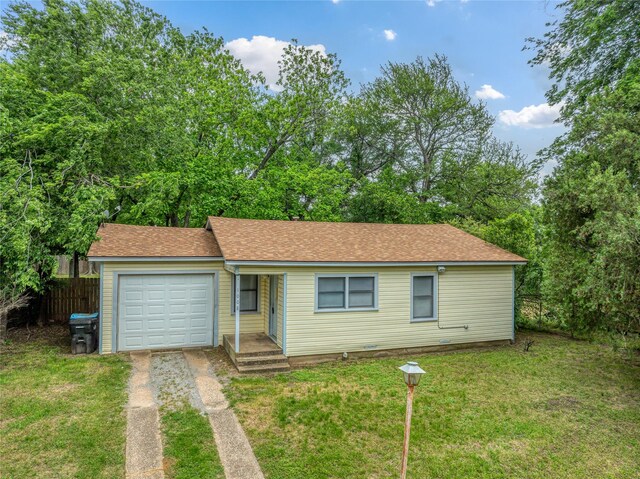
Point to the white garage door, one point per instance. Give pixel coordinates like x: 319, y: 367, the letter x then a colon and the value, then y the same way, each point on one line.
x: 165, y: 311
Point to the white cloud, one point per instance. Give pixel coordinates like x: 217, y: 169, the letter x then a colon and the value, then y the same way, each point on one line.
x: 487, y: 92
x: 431, y: 3
x: 533, y: 116
x: 261, y: 54
x: 335, y: 1
x: 390, y: 35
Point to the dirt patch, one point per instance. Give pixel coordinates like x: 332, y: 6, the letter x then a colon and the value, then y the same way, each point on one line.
x: 50, y: 335
x: 562, y: 403
x: 223, y: 368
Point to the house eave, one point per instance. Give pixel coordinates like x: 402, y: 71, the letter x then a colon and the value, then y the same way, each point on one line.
x: 233, y: 263
x: 136, y: 259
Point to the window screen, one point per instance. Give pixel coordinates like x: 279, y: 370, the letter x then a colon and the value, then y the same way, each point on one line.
x: 331, y: 293
x: 423, y: 297
x: 361, y: 292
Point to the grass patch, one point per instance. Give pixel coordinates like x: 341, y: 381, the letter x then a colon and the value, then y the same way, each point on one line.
x: 565, y: 409
x: 61, y: 416
x: 189, y: 447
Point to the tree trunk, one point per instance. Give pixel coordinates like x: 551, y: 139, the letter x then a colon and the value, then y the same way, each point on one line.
x: 76, y: 265
x: 3, y: 326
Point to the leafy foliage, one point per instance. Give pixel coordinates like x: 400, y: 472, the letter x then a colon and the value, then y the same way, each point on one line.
x: 588, y: 50
x: 109, y: 113
x: 593, y: 210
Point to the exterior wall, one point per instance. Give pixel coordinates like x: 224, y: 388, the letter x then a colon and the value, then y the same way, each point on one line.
x: 478, y: 296
x: 249, y: 323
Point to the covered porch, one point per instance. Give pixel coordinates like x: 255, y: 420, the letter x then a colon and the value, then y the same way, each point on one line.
x: 257, y: 346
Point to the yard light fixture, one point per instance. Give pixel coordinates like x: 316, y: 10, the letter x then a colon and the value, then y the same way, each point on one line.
x: 412, y: 374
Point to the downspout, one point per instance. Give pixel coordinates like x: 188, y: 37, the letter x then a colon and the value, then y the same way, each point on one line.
x: 237, y: 302
x: 100, y: 320
x: 216, y: 295
x: 441, y: 269
x: 513, y: 304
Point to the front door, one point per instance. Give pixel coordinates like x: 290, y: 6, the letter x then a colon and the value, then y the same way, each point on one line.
x: 273, y: 307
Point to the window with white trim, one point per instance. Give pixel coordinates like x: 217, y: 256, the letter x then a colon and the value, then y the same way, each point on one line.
x: 342, y: 292
x: 423, y: 297
x: 249, y: 287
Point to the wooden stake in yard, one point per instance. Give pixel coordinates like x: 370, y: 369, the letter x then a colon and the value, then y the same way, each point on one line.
x: 412, y: 374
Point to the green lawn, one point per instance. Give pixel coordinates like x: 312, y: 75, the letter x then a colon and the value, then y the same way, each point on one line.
x: 564, y: 409
x: 189, y: 448
x: 61, y: 416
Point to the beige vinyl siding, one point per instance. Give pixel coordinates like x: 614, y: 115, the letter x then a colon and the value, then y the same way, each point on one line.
x: 249, y: 323
x: 478, y: 296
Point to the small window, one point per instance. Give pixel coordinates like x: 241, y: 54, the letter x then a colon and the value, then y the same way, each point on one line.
x: 345, y: 292
x: 248, y: 293
x: 423, y: 306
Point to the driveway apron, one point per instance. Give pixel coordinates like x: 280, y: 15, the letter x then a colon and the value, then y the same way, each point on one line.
x: 169, y: 379
x: 144, y: 444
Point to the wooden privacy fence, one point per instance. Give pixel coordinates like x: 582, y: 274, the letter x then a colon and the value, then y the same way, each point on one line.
x: 73, y: 295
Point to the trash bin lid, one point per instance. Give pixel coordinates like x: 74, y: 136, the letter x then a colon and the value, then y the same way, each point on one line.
x: 83, y: 316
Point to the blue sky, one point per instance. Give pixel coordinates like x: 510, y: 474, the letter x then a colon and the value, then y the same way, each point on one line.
x: 482, y: 39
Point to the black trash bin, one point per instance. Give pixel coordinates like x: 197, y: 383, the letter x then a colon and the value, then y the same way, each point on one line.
x: 84, y: 332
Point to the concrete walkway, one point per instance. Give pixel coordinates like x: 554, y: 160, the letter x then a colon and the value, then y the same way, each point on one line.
x: 234, y: 449
x: 144, y: 444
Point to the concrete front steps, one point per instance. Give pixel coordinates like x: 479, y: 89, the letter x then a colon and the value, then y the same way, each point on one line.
x: 258, y: 354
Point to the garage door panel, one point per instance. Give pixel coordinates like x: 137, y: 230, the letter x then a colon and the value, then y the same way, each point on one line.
x: 155, y: 295
x: 133, y: 326
x: 198, y: 294
x: 160, y: 311
x: 155, y: 310
x: 133, y: 310
x: 178, y: 294
x: 133, y: 295
x: 156, y: 325
x: 198, y: 323
x: 198, y: 338
x: 156, y: 341
x: 198, y: 308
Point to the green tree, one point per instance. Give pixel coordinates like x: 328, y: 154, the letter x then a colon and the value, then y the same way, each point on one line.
x: 588, y: 50
x: 591, y: 199
x: 416, y: 133
x: 592, y: 208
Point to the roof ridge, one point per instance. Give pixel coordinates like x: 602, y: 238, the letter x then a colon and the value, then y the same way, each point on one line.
x: 328, y: 222
x: 152, y: 226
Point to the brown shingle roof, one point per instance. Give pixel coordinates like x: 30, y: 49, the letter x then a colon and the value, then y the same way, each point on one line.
x: 153, y: 241
x: 305, y: 241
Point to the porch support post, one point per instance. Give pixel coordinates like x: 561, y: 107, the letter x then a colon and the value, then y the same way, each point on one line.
x: 237, y: 309
x: 284, y: 314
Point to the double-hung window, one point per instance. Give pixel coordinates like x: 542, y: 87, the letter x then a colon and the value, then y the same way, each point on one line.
x: 248, y: 293
x: 424, y: 290
x: 342, y: 292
